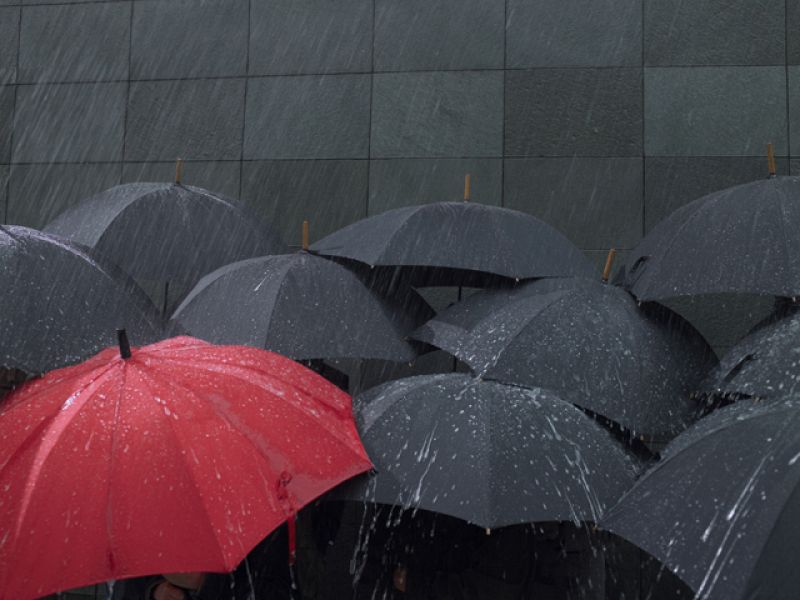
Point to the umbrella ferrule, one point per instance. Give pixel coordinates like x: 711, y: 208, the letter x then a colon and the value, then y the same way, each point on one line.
x: 124, y: 344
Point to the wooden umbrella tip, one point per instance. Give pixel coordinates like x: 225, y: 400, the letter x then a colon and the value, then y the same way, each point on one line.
x: 178, y: 171
x: 467, y: 187
x: 305, y: 235
x: 612, y: 253
x: 773, y: 169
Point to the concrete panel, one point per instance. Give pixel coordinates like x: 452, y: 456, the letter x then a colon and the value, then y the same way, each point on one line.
x: 6, y: 122
x: 291, y: 37
x: 39, y: 193
x: 87, y: 42
x: 196, y: 119
x: 794, y: 107
x: 566, y: 112
x: 714, y: 32
x: 70, y: 122
x: 404, y: 182
x: 4, y: 172
x: 437, y: 114
x: 328, y: 193
x: 671, y: 182
x: 715, y: 111
x: 307, y: 117
x: 595, y: 202
x: 9, y: 42
x: 187, y: 38
x: 219, y: 177
x: 446, y: 34
x: 583, y: 33
x: 793, y: 25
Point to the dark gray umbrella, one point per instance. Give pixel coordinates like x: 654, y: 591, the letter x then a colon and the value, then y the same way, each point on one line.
x: 60, y: 306
x: 490, y: 454
x: 722, y: 509
x: 764, y: 364
x: 739, y: 240
x: 165, y: 232
x: 449, y: 243
x: 587, y: 341
x: 304, y: 307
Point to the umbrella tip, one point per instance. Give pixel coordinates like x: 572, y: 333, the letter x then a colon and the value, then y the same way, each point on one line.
x: 305, y: 235
x: 178, y: 171
x: 467, y: 187
x: 612, y: 253
x: 124, y: 345
x: 773, y: 170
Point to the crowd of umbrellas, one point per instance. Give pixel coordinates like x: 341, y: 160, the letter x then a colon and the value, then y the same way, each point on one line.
x: 226, y: 416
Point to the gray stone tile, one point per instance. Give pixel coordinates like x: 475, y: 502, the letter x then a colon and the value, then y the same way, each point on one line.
x: 195, y: 119
x: 714, y: 32
x: 307, y: 117
x: 187, y: 38
x: 39, y: 193
x: 671, y: 182
x: 439, y: 114
x: 447, y: 34
x: 794, y: 106
x: 87, y: 42
x: 566, y: 112
x: 69, y: 122
x: 583, y: 33
x: 328, y: 193
x: 9, y: 41
x: 793, y: 24
x: 403, y: 182
x: 4, y: 172
x: 6, y: 122
x: 596, y: 202
x: 714, y: 111
x: 221, y: 177
x: 310, y: 36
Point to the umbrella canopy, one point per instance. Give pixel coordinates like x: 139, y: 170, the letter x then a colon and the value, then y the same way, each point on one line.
x: 458, y: 240
x: 739, y: 240
x: 763, y: 364
x: 490, y: 454
x: 164, y: 231
x: 60, y: 306
x: 180, y: 458
x: 304, y: 307
x: 587, y: 341
x: 722, y: 509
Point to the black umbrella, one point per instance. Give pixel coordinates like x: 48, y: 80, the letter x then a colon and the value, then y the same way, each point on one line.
x: 762, y: 365
x: 722, y: 510
x: 304, y: 307
x: 60, y: 306
x: 164, y: 232
x: 490, y: 454
x: 587, y: 341
x: 739, y: 240
x: 458, y: 243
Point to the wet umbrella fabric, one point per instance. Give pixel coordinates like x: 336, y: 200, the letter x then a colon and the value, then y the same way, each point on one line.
x: 764, y: 364
x: 490, y: 454
x: 180, y: 458
x: 587, y: 341
x: 304, y: 307
x: 463, y: 237
x: 742, y: 239
x: 165, y: 232
x: 722, y: 509
x: 60, y: 306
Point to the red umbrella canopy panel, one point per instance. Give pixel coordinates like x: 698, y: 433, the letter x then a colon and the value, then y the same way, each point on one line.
x: 181, y: 457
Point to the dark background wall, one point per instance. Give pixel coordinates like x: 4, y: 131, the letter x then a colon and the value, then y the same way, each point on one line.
x: 599, y: 116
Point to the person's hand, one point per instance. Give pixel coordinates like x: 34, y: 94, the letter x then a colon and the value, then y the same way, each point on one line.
x: 166, y: 591
x: 190, y: 581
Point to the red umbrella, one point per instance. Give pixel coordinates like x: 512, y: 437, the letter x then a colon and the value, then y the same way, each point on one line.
x: 181, y: 457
